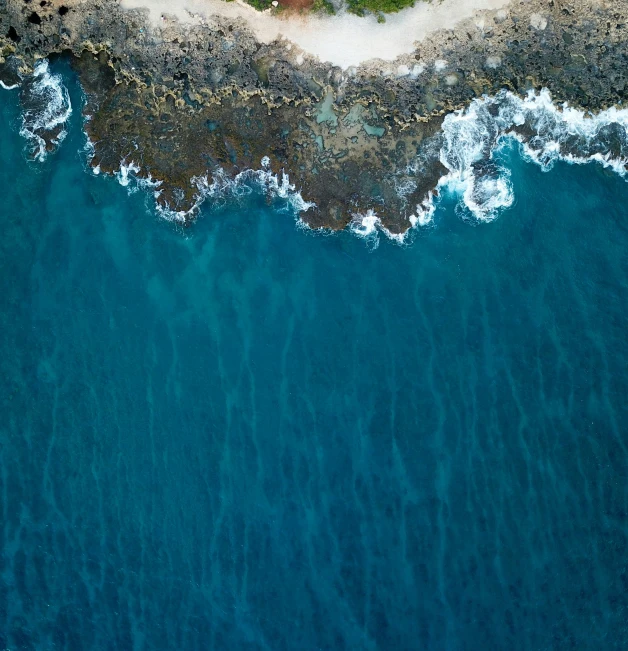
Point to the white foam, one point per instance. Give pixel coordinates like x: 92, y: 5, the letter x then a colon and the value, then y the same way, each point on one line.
x: 424, y: 214
x: 368, y: 226
x: 467, y: 143
x: 89, y: 148
x: 127, y: 173
x: 6, y: 87
x: 220, y: 186
x: 470, y: 137
x: 280, y: 186
x: 53, y: 111
x: 365, y: 225
x: 485, y: 197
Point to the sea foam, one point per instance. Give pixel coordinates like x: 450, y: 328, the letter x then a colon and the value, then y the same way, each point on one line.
x: 465, y: 146
x: 547, y: 133
x: 368, y: 226
x: 47, y: 107
x: 467, y: 142
x: 219, y: 187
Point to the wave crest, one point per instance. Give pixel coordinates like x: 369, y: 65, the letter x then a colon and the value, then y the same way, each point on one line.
x: 547, y: 132
x: 465, y: 147
x: 368, y: 226
x: 47, y: 107
x: 220, y: 186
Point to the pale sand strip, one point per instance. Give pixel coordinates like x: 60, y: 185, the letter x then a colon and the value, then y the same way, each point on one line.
x: 344, y: 40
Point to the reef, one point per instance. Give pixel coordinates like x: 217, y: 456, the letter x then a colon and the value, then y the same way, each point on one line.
x: 187, y: 102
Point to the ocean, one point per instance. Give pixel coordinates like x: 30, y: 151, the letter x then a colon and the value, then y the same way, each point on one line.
x: 247, y: 435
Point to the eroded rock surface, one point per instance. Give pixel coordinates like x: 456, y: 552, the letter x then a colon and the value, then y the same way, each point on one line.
x: 182, y: 102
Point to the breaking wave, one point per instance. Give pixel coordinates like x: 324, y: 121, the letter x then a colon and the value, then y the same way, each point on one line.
x: 368, y: 226
x: 220, y: 186
x: 547, y: 133
x: 47, y: 107
x: 465, y: 146
x: 8, y: 86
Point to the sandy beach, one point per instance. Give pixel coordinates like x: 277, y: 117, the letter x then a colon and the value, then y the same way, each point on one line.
x: 343, y: 40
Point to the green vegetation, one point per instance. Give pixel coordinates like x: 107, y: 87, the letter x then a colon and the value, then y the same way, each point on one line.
x: 260, y: 5
x: 323, y: 5
x: 360, y: 7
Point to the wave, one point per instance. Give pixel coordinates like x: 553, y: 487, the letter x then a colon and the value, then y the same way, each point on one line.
x: 465, y: 146
x: 368, y: 226
x: 47, y: 107
x: 220, y: 186
x: 10, y: 76
x: 547, y: 132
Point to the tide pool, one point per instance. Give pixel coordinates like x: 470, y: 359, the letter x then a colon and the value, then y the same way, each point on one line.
x: 243, y: 435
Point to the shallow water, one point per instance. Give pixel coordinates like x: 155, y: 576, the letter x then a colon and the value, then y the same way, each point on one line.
x: 248, y: 436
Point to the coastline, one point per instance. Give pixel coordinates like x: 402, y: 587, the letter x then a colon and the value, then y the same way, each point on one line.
x: 192, y: 100
x: 343, y: 39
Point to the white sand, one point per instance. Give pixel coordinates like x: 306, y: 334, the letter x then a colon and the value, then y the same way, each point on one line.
x: 344, y: 40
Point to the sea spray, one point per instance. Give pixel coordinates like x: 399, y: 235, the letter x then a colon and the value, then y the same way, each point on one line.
x: 547, y: 132
x: 46, y: 109
x: 465, y: 147
x: 220, y: 186
x: 369, y: 225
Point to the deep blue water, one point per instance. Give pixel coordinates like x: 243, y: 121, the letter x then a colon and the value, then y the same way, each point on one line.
x: 245, y: 436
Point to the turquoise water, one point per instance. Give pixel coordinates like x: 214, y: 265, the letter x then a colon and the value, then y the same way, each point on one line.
x: 247, y: 436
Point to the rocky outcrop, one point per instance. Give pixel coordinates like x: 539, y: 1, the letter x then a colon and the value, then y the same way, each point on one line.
x: 183, y: 102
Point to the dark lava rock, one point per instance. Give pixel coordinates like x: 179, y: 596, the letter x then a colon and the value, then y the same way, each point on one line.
x: 186, y: 102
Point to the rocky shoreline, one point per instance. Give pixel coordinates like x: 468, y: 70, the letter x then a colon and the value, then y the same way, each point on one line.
x: 184, y: 101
